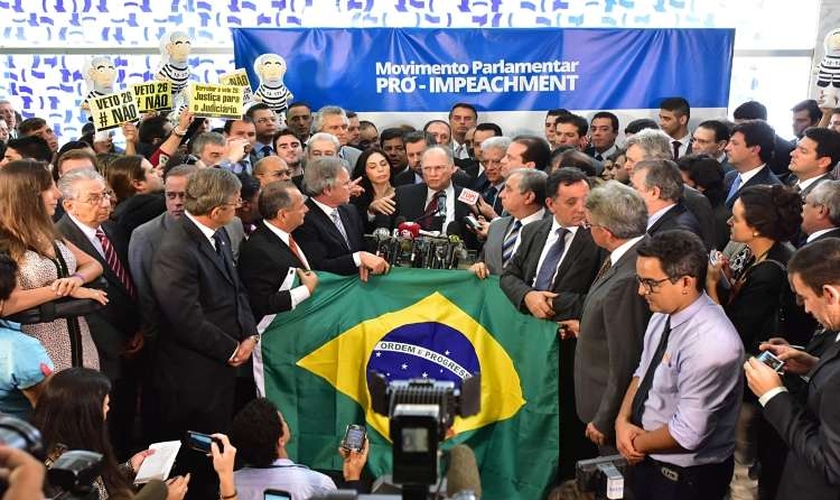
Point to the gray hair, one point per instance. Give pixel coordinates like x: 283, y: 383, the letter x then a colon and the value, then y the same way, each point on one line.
x: 827, y: 194
x: 68, y: 183
x: 276, y: 196
x: 495, y: 142
x: 446, y: 151
x: 663, y: 174
x: 202, y: 140
x: 533, y: 180
x: 619, y: 209
x: 209, y: 188
x: 655, y: 143
x: 318, y: 119
x: 183, y: 170
x: 325, y: 136
x: 322, y: 174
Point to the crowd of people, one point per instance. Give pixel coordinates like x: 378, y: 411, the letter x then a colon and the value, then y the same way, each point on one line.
x: 132, y: 282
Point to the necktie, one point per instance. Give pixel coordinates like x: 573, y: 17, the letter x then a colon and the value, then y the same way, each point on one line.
x: 295, y: 250
x: 599, y: 157
x: 114, y: 263
x: 509, y: 243
x: 603, y: 269
x: 222, y: 252
x: 676, y: 145
x: 647, y: 381
x: 733, y: 189
x: 490, y: 195
x: 426, y: 221
x: 267, y: 151
x: 545, y: 276
x: 336, y: 218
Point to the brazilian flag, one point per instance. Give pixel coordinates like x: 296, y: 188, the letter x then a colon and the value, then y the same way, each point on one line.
x: 441, y: 325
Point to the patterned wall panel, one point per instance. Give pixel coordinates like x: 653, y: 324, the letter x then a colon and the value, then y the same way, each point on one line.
x: 42, y: 39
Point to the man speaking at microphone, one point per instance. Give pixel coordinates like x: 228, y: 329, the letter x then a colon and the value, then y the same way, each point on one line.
x: 434, y: 204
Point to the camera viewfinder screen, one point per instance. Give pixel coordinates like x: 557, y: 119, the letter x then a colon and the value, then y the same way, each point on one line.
x: 415, y: 440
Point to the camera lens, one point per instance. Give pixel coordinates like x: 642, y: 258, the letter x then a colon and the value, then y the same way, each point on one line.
x: 16, y: 433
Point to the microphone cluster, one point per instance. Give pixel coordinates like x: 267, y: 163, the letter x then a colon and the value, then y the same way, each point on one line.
x: 410, y: 246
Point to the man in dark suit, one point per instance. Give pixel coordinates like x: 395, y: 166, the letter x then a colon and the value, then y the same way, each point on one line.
x: 483, y: 132
x: 615, y: 316
x: 116, y: 327
x: 331, y: 235
x: 271, y: 251
x: 207, y: 328
x: 434, y: 203
x: 661, y: 186
x: 750, y: 148
x: 415, y: 143
x: 493, y: 151
x: 711, y: 137
x: 524, y: 199
x: 813, y: 159
x: 809, y: 425
x: 821, y: 212
x: 557, y: 260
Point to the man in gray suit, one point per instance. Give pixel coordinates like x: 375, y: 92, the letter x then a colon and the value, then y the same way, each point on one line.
x: 523, y: 196
x: 615, y: 316
x: 333, y: 120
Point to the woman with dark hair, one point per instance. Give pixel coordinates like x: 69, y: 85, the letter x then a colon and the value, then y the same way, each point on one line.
x: 375, y: 169
x: 760, y: 304
x: 49, y: 267
x: 138, y: 189
x: 705, y: 174
x: 71, y: 415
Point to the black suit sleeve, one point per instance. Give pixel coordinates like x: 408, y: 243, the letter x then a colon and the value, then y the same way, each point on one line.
x: 261, y: 276
x: 176, y: 280
x: 319, y: 256
x: 625, y: 319
x: 814, y: 438
x: 757, y: 303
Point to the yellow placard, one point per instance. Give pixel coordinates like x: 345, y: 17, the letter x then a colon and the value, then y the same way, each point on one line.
x: 240, y: 79
x: 215, y: 101
x: 153, y: 96
x: 112, y: 110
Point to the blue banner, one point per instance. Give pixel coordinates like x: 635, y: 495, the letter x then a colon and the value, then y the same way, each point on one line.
x: 427, y: 70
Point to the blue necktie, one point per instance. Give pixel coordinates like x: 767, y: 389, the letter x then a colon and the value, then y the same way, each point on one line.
x: 733, y: 189
x: 545, y: 276
x: 509, y: 243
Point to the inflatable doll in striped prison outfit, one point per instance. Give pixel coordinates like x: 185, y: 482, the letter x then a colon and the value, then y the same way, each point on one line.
x: 100, y: 76
x: 828, y: 77
x: 272, y: 91
x: 175, y: 50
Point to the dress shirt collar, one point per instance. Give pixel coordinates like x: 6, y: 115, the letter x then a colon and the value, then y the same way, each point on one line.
x: 206, y: 231
x: 749, y: 174
x: 683, y: 140
x: 87, y: 230
x: 283, y: 235
x: 686, y: 314
x: 655, y: 216
x: 803, y: 185
x: 556, y: 225
x: 538, y: 215
x: 607, y: 152
x: 622, y: 249
x: 328, y: 210
x: 817, y: 234
x: 449, y: 190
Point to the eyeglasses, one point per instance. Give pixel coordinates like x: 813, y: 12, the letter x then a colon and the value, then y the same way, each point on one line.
x: 96, y: 198
x: 650, y: 285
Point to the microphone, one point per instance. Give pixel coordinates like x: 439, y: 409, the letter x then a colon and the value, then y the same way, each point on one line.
x: 409, y: 230
x: 454, y: 229
x: 380, y: 235
x: 399, y: 220
x: 462, y: 476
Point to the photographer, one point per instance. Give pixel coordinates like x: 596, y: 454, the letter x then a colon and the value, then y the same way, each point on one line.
x: 260, y: 434
x: 24, y: 474
x: 809, y: 426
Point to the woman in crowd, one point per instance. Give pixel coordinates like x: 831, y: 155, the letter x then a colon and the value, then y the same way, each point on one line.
x: 138, y: 189
x: 71, y: 415
x: 49, y: 268
x: 377, y: 199
x: 614, y: 166
x: 705, y: 174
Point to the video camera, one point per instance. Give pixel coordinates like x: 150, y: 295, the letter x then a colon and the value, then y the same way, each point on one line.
x: 71, y: 476
x: 420, y: 412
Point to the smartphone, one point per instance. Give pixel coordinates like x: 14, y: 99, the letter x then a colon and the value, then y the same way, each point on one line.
x: 771, y: 360
x: 472, y: 222
x: 354, y: 438
x: 713, y: 257
x: 201, y: 442
x: 276, y: 495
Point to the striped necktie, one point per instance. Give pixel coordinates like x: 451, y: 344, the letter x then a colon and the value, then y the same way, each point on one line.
x: 114, y: 263
x: 510, y: 242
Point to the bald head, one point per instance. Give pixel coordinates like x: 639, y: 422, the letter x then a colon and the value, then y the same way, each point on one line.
x: 270, y: 169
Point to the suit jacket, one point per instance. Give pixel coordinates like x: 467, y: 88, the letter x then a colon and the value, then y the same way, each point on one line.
x: 141, y: 254
x: 468, y: 166
x: 764, y: 176
x: 834, y: 233
x: 480, y: 184
x: 811, y: 431
x: 792, y: 179
x: 322, y: 243
x: 405, y: 178
x: 701, y: 208
x: 578, y: 269
x: 678, y: 217
x: 781, y: 156
x: 612, y: 330
x: 263, y: 265
x: 491, y: 253
x: 112, y: 326
x: 351, y: 155
x: 411, y: 203
x: 205, y: 314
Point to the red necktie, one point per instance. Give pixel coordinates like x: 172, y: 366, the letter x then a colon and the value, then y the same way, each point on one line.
x: 114, y: 263
x: 295, y: 250
x: 431, y: 208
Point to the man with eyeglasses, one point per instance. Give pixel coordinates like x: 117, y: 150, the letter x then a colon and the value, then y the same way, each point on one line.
x: 271, y: 169
x: 207, y: 328
x: 116, y: 327
x: 677, y: 420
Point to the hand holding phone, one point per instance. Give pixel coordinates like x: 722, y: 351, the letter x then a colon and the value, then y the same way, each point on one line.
x: 201, y: 442
x: 354, y: 438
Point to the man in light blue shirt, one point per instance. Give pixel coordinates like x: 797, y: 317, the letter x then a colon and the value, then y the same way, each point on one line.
x: 677, y: 421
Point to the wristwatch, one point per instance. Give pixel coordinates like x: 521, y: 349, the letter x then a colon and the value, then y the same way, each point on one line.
x: 256, y: 338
